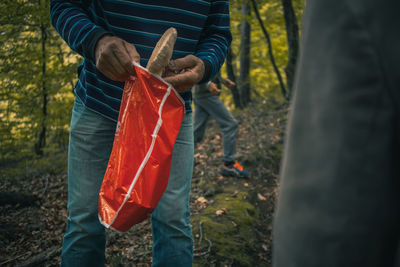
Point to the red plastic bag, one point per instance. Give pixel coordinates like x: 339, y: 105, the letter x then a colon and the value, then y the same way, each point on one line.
x: 137, y: 174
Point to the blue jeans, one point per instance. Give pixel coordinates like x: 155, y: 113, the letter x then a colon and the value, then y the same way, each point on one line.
x: 91, y: 140
x: 207, y: 106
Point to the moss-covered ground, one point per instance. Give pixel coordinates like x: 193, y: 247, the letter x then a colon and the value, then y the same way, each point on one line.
x: 226, y: 228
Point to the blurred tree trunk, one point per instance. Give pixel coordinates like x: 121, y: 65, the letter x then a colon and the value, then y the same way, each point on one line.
x: 41, y: 142
x: 231, y: 76
x: 244, y: 78
x: 271, y: 55
x: 292, y: 33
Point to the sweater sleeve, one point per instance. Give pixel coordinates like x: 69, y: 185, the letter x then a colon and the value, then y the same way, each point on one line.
x: 215, y: 38
x: 72, y: 21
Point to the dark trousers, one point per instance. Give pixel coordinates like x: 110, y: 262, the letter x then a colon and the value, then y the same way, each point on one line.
x: 339, y: 199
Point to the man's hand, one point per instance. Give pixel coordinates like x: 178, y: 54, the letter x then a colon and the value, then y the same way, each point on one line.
x: 228, y: 83
x: 212, y: 87
x: 115, y: 57
x: 183, y: 73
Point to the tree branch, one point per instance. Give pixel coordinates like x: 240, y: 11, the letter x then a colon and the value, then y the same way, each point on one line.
x: 271, y: 55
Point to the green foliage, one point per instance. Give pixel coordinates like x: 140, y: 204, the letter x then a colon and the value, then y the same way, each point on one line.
x: 53, y: 162
x: 36, y: 76
x: 264, y: 82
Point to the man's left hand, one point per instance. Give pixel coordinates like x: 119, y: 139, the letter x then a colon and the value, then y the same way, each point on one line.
x: 183, y: 73
x: 212, y: 87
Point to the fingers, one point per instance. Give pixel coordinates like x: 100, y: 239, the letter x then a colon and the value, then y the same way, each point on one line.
x: 109, y: 66
x: 126, y: 58
x: 182, y: 63
x: 214, y: 89
x: 115, y: 57
x: 181, y: 82
x: 187, y: 71
x: 189, y: 76
x: 133, y: 54
x: 184, y: 81
x: 231, y: 85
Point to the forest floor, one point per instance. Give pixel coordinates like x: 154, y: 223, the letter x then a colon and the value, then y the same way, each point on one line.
x: 231, y: 217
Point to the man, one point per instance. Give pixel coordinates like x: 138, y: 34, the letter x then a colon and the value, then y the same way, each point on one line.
x: 339, y: 200
x: 207, y: 103
x: 110, y: 35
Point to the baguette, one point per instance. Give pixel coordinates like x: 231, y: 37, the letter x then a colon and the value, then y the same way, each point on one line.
x: 162, y: 53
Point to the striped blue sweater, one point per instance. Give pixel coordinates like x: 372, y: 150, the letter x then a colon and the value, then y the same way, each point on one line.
x: 202, y: 25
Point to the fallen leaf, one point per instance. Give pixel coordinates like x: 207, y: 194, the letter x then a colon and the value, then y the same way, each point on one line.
x: 202, y: 200
x: 261, y: 197
x: 265, y: 247
x: 219, y: 212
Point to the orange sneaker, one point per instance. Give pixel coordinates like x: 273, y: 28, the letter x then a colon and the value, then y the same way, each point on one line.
x: 234, y: 170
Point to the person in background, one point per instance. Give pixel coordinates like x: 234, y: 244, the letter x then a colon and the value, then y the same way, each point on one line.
x: 207, y: 104
x: 339, y: 199
x: 110, y: 36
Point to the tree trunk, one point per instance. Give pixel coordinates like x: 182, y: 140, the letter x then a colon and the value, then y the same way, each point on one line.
x: 41, y: 142
x: 292, y: 33
x: 271, y: 55
x: 231, y: 75
x: 244, y: 78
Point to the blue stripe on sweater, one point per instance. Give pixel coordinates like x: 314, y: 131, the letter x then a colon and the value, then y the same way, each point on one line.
x: 153, y: 21
x: 140, y: 22
x: 158, y: 8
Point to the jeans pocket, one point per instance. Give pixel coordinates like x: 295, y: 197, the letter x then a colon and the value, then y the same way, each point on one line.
x: 79, y: 107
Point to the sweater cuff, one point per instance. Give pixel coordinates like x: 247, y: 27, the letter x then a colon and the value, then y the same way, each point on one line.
x: 89, y: 46
x: 207, y: 71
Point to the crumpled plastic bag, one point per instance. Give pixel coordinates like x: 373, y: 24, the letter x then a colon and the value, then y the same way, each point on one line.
x: 137, y: 174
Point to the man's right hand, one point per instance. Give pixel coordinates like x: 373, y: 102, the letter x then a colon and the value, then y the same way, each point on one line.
x: 115, y: 57
x: 228, y: 83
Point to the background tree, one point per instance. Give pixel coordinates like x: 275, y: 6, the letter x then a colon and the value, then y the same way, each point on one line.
x: 245, y: 33
x: 265, y: 84
x: 230, y: 71
x: 292, y: 33
x: 270, y: 52
x: 36, y: 70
